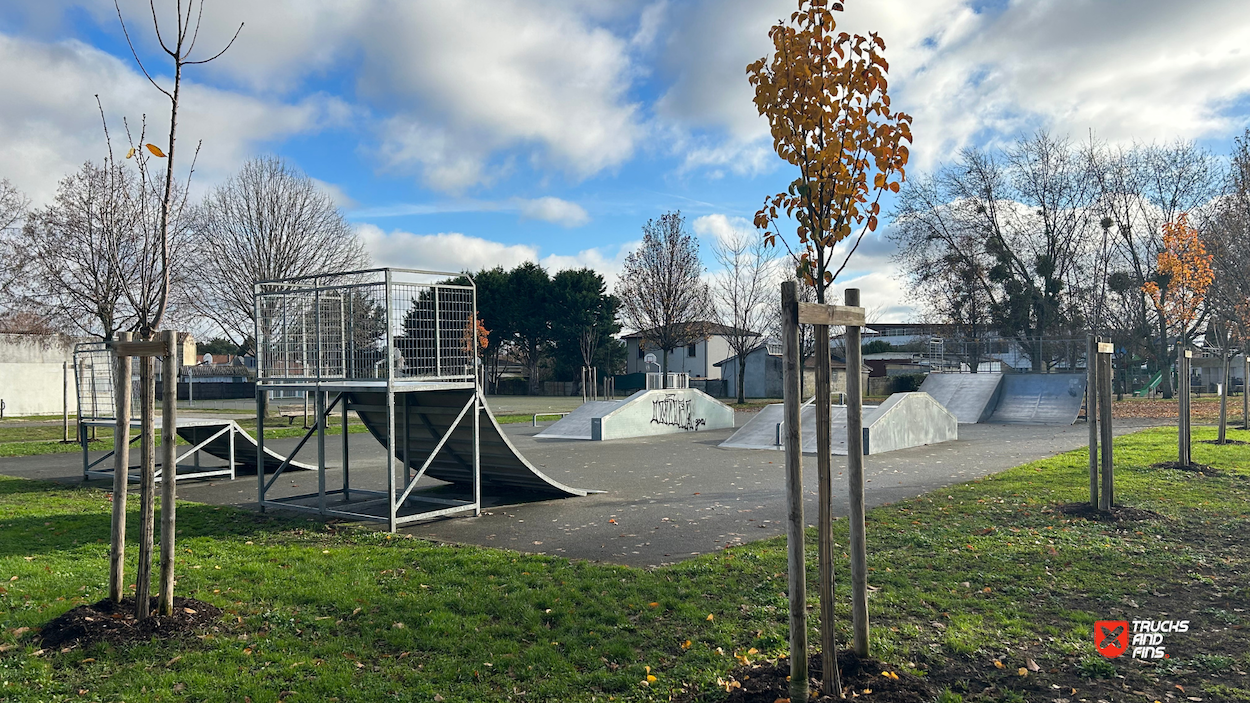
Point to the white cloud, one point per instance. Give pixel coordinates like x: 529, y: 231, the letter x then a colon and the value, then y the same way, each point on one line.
x: 454, y: 251
x: 721, y: 228
x: 972, y: 74
x: 337, y: 194
x: 49, y: 122
x: 554, y: 210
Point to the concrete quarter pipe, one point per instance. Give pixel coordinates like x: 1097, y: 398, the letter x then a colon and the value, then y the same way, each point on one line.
x: 1014, y: 398
x: 643, y: 414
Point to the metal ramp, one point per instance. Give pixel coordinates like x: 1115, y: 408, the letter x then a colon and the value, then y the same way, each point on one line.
x: 223, y: 439
x: 423, y: 418
x: 1040, y: 399
x: 970, y: 397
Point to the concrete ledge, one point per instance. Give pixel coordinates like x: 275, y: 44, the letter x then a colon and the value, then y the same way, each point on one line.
x: 660, y: 412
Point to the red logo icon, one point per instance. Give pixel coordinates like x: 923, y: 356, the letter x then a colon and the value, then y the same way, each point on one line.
x: 1111, y: 637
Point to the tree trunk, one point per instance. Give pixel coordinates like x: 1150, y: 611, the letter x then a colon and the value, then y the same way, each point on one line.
x: 664, y: 368
x: 1245, y: 389
x: 742, y: 379
x: 147, y: 486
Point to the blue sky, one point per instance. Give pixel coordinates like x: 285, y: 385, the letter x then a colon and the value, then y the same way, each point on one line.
x: 462, y: 135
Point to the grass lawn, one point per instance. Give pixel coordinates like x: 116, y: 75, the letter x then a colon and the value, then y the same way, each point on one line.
x: 972, y: 575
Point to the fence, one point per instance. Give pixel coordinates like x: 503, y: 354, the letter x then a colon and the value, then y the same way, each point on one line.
x: 379, y: 324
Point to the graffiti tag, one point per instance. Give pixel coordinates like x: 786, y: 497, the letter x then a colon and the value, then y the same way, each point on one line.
x: 675, y: 412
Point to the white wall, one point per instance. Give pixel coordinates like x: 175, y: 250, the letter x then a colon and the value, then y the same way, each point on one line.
x: 32, y: 376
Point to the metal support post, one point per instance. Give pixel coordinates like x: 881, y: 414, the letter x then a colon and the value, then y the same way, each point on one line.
x: 1104, y: 412
x: 260, y: 445
x: 346, y: 468
x: 320, y: 406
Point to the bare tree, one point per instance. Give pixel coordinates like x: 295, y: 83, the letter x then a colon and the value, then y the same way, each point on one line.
x: 1227, y: 236
x: 13, y: 209
x: 266, y: 222
x: 1141, y: 188
x: 662, y: 292
x: 740, y: 292
x: 151, y: 312
x: 74, y: 251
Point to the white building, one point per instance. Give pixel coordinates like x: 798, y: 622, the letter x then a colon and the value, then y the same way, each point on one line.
x: 698, y: 358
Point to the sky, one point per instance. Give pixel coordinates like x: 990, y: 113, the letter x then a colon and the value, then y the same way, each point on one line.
x: 458, y: 135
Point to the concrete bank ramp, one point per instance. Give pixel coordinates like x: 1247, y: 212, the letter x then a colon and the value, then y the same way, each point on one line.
x: 1040, y: 399
x: 761, y: 431
x: 195, y: 431
x: 421, y: 420
x: 908, y: 420
x: 576, y: 425
x: 659, y: 412
x: 970, y: 397
x: 903, y: 420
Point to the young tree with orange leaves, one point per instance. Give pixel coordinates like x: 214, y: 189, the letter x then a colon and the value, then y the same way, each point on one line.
x: 1184, y: 274
x: 825, y: 96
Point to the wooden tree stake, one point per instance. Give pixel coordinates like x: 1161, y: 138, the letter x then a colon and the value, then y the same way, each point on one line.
x: 830, y: 681
x: 855, y: 480
x: 147, y: 485
x: 121, y: 477
x: 794, y: 493
x: 169, y: 467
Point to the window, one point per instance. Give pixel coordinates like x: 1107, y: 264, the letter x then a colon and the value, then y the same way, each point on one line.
x: 641, y: 351
x: 692, y: 349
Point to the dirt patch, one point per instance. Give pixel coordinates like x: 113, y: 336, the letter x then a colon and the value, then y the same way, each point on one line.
x: 1227, y: 441
x: 1204, y: 469
x: 115, y: 623
x: 766, y: 682
x: 1118, y: 513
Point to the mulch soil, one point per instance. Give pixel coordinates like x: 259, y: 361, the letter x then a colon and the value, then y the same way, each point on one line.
x: 115, y: 623
x: 1118, y: 513
x: 766, y: 682
x: 1237, y: 442
x: 1203, y: 469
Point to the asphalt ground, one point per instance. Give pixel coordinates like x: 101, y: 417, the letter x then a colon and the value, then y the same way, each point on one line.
x: 665, y: 498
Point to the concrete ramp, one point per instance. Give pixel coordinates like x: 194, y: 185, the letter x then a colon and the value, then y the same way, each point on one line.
x: 761, y: 431
x: 576, y: 425
x: 658, y: 412
x: 1040, y: 399
x: 421, y: 420
x: 908, y: 420
x: 244, y: 449
x: 970, y: 397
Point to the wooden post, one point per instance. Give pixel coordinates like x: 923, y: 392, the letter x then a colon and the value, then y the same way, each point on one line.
x: 1245, y: 387
x: 1107, y: 500
x: 121, y: 476
x: 65, y: 401
x: 147, y: 484
x: 1183, y: 419
x: 855, y: 480
x: 830, y: 681
x: 1091, y: 416
x: 169, y: 468
x: 1227, y: 370
x: 794, y: 493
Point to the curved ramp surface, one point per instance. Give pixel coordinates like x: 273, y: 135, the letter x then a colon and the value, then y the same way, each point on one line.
x: 1040, y: 399
x: 245, y: 449
x: 577, y: 424
x: 970, y: 397
x: 421, y: 420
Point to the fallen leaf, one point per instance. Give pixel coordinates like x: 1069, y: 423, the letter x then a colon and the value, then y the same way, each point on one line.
x: 438, y: 698
x: 1032, y: 665
x: 1022, y: 671
x: 173, y: 661
x: 686, y: 644
x: 710, y: 617
x: 650, y: 678
x: 188, y: 611
x: 998, y: 664
x: 654, y: 604
x: 88, y: 660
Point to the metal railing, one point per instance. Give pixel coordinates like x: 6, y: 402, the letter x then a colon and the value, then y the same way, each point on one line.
x: 377, y: 324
